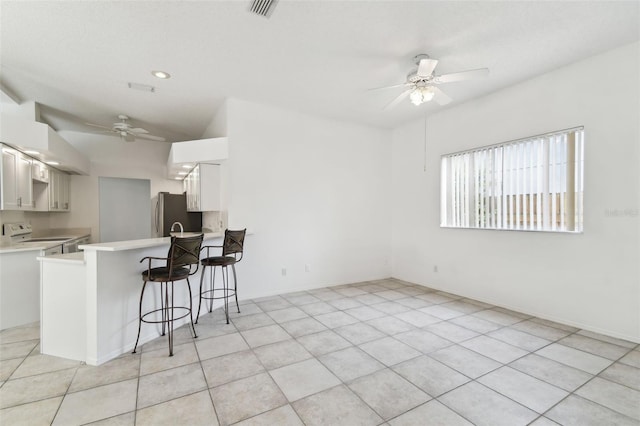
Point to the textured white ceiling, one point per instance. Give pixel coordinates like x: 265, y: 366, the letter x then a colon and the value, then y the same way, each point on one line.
x: 76, y: 57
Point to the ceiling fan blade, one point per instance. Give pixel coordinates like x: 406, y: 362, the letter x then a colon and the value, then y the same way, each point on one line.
x: 462, y: 75
x: 440, y: 97
x: 149, y: 137
x: 426, y: 67
x: 390, y: 87
x: 99, y: 126
x: 138, y: 130
x: 398, y: 99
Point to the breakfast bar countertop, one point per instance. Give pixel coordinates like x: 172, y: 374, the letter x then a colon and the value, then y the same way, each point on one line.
x: 143, y: 243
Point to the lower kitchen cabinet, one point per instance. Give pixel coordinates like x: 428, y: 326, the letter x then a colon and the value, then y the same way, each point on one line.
x: 19, y: 288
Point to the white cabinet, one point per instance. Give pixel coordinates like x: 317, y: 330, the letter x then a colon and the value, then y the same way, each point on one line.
x: 202, y: 186
x: 16, y: 188
x: 59, y: 191
x: 40, y: 180
x: 39, y: 171
x: 19, y: 288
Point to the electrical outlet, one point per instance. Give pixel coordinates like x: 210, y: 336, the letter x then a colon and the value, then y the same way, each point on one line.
x: 307, y: 268
x: 435, y: 268
x: 284, y: 272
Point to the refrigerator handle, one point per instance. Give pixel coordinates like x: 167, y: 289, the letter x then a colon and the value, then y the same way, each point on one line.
x: 157, y: 215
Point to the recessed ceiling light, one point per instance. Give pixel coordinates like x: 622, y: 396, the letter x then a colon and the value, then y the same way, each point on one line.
x: 177, y: 178
x: 53, y: 163
x: 187, y: 166
x: 31, y: 152
x: 161, y: 74
x: 183, y: 173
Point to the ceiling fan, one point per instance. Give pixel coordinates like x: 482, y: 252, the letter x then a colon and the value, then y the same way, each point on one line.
x: 421, y: 84
x: 126, y: 131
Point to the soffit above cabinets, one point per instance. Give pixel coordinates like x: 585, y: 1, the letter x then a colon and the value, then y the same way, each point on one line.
x: 183, y: 156
x: 26, y: 135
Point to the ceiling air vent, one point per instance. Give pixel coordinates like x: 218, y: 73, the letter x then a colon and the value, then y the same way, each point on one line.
x: 263, y: 7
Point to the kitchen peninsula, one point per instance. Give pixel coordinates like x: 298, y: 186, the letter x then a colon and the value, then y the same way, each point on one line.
x: 90, y: 300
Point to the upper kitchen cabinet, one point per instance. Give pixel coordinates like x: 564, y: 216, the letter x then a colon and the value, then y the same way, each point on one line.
x: 202, y: 186
x: 40, y: 180
x: 16, y: 189
x: 59, y: 191
x: 39, y: 171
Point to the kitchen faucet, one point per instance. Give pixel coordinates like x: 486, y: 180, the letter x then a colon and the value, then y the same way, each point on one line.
x: 179, y: 224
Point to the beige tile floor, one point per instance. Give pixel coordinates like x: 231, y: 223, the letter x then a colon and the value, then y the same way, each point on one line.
x: 373, y: 353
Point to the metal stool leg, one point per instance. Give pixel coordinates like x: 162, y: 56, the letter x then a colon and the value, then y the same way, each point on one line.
x: 235, y: 286
x: 163, y: 292
x: 204, y: 269
x: 170, y: 317
x: 212, y: 274
x: 144, y: 285
x: 225, y: 283
x: 193, y: 327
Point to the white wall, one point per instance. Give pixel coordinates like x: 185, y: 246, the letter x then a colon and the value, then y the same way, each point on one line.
x: 111, y: 157
x: 590, y: 280
x: 314, y: 191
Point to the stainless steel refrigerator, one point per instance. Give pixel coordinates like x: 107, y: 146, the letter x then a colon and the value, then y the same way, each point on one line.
x: 172, y: 208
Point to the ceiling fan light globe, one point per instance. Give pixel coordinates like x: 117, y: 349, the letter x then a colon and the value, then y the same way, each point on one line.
x: 416, y: 97
x: 427, y: 94
x: 421, y: 95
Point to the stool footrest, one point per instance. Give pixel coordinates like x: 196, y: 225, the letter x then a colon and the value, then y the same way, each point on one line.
x: 205, y: 294
x: 188, y: 311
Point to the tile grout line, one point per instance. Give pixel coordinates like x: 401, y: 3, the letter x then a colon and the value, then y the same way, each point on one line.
x: 65, y: 394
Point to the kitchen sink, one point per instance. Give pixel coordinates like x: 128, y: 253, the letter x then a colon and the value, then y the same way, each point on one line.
x: 40, y: 240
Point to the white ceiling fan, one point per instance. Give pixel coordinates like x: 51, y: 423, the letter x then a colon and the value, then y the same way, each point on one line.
x: 126, y: 131
x: 421, y: 84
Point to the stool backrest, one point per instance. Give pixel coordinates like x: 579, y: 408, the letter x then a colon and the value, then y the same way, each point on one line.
x: 184, y: 251
x: 233, y: 242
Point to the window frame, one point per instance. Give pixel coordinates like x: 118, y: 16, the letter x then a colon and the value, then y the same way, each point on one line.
x: 472, y: 183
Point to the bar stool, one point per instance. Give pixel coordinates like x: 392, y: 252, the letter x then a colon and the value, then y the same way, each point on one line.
x: 184, y: 252
x: 231, y: 254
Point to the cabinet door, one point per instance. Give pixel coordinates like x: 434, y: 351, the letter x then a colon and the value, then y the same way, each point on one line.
x: 9, y: 196
x: 39, y: 171
x: 209, y: 187
x: 196, y: 188
x: 192, y: 185
x: 17, y: 188
x: 59, y: 191
x: 188, y: 188
x: 53, y: 188
x: 24, y: 183
x: 65, y: 192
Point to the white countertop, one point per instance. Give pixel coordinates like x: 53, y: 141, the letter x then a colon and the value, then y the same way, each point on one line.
x: 17, y: 247
x: 138, y: 244
x: 77, y: 257
x: 9, y: 247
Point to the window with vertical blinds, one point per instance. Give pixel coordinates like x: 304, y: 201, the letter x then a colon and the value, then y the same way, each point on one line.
x: 532, y: 184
